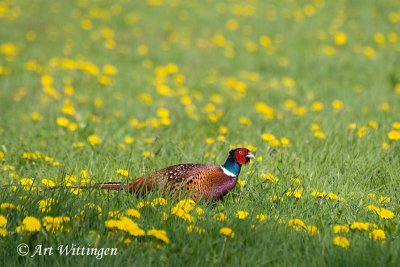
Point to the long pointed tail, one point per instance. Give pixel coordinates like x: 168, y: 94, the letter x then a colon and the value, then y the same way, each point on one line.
x: 138, y: 186
x: 111, y: 186
x: 105, y: 186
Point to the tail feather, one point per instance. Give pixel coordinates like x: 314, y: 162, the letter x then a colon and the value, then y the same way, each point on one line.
x: 105, y: 186
x: 136, y: 186
x: 111, y: 186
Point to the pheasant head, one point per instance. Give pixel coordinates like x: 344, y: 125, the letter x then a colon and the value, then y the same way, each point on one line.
x: 237, y: 157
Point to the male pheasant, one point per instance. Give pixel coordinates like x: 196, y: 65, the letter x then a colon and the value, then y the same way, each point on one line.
x: 198, y: 180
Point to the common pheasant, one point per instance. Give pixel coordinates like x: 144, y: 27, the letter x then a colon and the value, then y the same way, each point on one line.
x: 198, y: 180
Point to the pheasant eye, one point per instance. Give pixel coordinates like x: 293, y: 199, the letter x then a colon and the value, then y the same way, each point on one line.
x: 240, y: 152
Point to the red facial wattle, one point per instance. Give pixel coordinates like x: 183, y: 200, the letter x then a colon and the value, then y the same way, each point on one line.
x: 243, y: 156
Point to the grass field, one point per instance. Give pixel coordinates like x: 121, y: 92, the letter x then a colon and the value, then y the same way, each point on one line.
x: 95, y: 91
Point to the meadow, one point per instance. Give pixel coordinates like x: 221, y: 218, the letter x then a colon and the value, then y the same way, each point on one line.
x: 95, y: 91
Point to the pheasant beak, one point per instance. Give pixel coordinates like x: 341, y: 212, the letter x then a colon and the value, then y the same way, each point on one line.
x: 249, y: 155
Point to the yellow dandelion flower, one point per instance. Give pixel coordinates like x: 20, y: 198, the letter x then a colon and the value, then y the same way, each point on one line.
x: 45, y: 204
x: 94, y: 140
x: 183, y: 215
x: 142, y: 204
x: 352, y: 126
x: 62, y: 121
x: 362, y: 131
x: 8, y: 49
x: 127, y: 225
x: 297, y: 224
x: 142, y: 50
x: 244, y: 121
x: 122, y: 172
x: 319, y: 135
x: 54, y: 224
x: 3, y: 221
x: 78, y: 144
x: 301, y: 110
x: 195, y: 229
x: 129, y: 140
x: 377, y: 234
x: 31, y: 224
x: 269, y: 177
x: 36, y: 116
x: 186, y: 204
x: 134, y: 122
x: 274, y: 198
x: 159, y: 234
x: 373, y: 124
x: 3, y: 232
x: 136, y: 231
x: 114, y: 214
x: 297, y: 193
x: 68, y: 107
x: 315, y: 127
x: 267, y: 111
x: 296, y: 180
x: 394, y: 135
x: 339, y: 228
x: 328, y: 50
x: 48, y: 182
x: 163, y: 113
x: 69, y: 90
x: 241, y: 215
x: 111, y: 223
x: 313, y: 230
x: 261, y: 217
x: 227, y: 232
x: 148, y: 154
x: 164, y: 90
x: 384, y: 199
x: 7, y: 206
x: 333, y: 196
x: 290, y: 104
x: 165, y: 216
x: 46, y: 80
x: 384, y: 213
x: 133, y: 212
x: 232, y: 24
x: 337, y: 105
x: 110, y: 69
x: 284, y: 141
x: 159, y: 201
x: 340, y: 38
x: 317, y: 106
x: 361, y: 226
x: 199, y: 211
x: 221, y: 216
x: 369, y: 52
x: 26, y: 181
x: 93, y: 206
x: 223, y: 130
x: 267, y: 137
x: 241, y: 182
x: 396, y: 125
x: 341, y: 241
x: 127, y: 241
